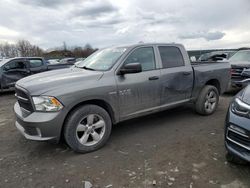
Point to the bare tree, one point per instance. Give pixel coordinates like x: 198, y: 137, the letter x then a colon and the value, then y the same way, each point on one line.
x: 88, y: 46
x: 78, y: 52
x: 13, y: 51
x: 26, y: 49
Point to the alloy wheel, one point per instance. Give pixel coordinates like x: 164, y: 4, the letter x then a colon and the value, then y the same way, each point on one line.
x: 211, y: 100
x: 90, y: 130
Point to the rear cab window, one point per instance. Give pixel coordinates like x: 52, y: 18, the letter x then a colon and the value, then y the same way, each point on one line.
x: 171, y: 56
x: 35, y: 63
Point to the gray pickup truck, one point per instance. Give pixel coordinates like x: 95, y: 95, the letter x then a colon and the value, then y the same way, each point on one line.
x: 14, y: 69
x: 82, y: 103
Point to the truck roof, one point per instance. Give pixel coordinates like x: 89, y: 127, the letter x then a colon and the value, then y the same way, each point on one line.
x: 9, y: 59
x: 26, y: 58
x: 148, y: 44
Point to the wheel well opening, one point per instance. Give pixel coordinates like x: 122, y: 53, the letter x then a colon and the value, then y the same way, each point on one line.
x: 214, y: 83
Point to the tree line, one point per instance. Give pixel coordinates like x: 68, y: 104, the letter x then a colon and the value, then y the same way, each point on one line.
x: 23, y: 48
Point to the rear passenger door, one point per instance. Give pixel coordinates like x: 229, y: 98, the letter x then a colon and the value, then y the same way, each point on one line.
x: 176, y: 78
x: 37, y: 65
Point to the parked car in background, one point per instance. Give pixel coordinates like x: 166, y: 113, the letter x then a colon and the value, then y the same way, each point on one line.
x: 13, y: 69
x: 53, y: 61
x: 68, y: 60
x: 216, y: 55
x: 237, y: 129
x: 240, y: 63
x: 113, y: 85
x: 80, y: 59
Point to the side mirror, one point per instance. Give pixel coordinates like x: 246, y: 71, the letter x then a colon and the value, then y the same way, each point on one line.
x: 131, y: 68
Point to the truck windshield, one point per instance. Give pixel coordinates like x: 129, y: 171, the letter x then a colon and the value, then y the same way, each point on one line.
x: 241, y: 56
x: 4, y: 61
x: 102, y: 60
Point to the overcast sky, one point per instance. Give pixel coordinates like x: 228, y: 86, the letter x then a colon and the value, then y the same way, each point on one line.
x: 195, y: 23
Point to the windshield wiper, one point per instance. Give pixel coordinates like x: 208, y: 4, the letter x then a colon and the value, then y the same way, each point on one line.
x: 87, y: 68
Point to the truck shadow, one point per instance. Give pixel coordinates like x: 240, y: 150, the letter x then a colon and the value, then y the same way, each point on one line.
x: 151, y: 121
x: 7, y: 92
x: 231, y: 93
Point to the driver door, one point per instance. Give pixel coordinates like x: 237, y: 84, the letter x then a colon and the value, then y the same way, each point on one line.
x: 14, y: 71
x: 139, y: 92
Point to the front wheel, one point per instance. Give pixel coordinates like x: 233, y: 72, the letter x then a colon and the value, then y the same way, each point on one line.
x: 87, y: 128
x: 207, y: 101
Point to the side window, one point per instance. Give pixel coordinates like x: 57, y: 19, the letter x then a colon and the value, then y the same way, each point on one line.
x: 171, y: 56
x: 35, y: 63
x: 145, y: 56
x: 15, y: 65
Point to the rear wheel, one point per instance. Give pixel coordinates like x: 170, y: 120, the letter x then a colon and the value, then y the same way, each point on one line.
x: 87, y: 128
x: 207, y: 101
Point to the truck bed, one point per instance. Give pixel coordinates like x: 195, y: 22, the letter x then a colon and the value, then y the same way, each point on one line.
x: 218, y: 72
x: 195, y: 63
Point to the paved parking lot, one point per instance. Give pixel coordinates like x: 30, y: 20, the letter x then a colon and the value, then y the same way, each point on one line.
x: 175, y: 148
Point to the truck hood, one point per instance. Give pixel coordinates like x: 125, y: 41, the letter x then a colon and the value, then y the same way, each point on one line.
x: 243, y: 64
x: 58, y: 79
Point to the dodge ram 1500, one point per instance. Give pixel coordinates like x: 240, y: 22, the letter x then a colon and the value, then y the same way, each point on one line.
x: 112, y: 85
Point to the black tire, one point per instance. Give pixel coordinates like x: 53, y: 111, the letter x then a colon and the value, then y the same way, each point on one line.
x: 75, y: 117
x: 200, y: 104
x: 234, y: 159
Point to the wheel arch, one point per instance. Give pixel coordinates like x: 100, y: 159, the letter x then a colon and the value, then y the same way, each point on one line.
x: 98, y: 102
x: 215, y: 83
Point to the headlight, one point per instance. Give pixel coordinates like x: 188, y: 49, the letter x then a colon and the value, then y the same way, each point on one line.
x: 47, y: 104
x: 241, y: 108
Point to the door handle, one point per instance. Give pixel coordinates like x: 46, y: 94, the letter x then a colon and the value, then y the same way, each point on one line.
x: 186, y: 73
x: 153, y: 78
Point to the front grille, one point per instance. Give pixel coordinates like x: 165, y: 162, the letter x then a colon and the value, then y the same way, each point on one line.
x: 24, y: 99
x: 236, y: 72
x: 239, y: 139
